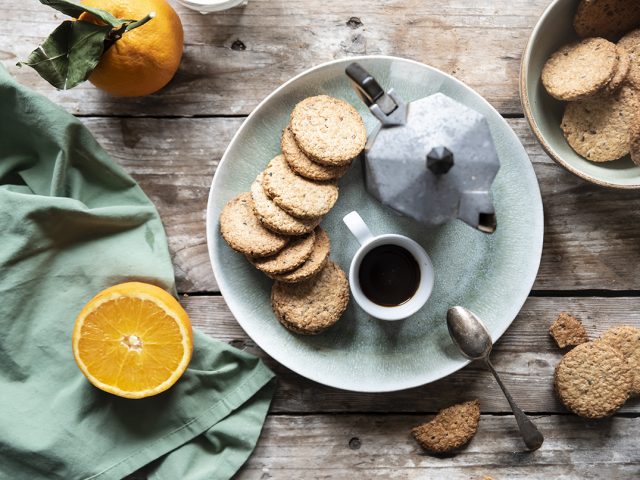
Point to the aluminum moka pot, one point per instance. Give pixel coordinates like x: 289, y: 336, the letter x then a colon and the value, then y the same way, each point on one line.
x: 432, y: 159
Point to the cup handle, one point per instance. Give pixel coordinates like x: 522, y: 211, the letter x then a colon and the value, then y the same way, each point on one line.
x: 358, y: 228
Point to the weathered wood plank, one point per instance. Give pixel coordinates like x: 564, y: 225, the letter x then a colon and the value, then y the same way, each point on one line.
x: 591, y: 234
x: 366, y: 446
x: 234, y: 59
x: 525, y: 357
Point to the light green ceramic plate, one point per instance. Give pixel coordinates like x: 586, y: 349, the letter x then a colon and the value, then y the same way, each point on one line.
x: 491, y: 275
x: 553, y: 30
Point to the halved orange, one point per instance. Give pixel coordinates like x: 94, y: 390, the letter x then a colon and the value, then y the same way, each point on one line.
x: 133, y: 340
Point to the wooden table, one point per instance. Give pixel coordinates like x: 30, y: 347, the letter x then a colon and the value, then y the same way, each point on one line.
x: 171, y: 143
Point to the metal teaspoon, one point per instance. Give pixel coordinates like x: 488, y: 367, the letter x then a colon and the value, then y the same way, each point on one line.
x: 474, y: 342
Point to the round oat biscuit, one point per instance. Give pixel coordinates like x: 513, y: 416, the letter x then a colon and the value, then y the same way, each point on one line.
x: 314, y: 305
x: 328, y: 130
x: 631, y: 43
x: 627, y: 340
x: 303, y: 165
x: 276, y: 219
x: 579, y: 70
x: 242, y: 230
x: 289, y: 258
x: 316, y: 261
x: 599, y: 128
x: 606, y: 18
x: 593, y: 380
x: 298, y: 196
x: 451, y: 428
x: 622, y: 70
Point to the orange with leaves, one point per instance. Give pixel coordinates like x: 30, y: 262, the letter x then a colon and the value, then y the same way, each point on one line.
x: 142, y: 60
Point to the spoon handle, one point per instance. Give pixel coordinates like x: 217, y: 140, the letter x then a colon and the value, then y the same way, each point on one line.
x: 530, y: 434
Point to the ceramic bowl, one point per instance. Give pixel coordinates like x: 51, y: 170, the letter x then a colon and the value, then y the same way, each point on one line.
x: 553, y: 30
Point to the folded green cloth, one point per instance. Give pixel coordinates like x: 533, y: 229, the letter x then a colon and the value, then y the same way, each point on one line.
x: 72, y: 223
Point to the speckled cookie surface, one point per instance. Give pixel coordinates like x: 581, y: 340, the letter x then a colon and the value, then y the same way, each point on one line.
x: 634, y: 146
x: 620, y: 75
x: 289, y: 258
x: 451, y: 428
x: 328, y: 130
x: 599, y: 128
x: 579, y: 70
x: 314, y: 305
x: 316, y: 261
x: 606, y: 18
x: 298, y: 196
x: 303, y: 165
x: 627, y: 340
x: 568, y: 331
x: 276, y: 219
x: 631, y: 44
x: 242, y: 230
x: 593, y: 380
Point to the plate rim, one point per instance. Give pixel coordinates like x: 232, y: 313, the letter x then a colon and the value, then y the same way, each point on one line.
x: 211, y: 232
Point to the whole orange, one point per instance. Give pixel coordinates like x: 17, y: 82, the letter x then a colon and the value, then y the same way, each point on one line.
x: 144, y: 59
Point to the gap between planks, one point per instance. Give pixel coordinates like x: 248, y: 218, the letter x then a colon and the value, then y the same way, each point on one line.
x: 525, y: 356
x: 590, y: 233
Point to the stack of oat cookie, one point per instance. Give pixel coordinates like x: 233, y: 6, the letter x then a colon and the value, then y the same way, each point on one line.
x: 601, y: 81
x: 276, y: 224
x: 597, y: 377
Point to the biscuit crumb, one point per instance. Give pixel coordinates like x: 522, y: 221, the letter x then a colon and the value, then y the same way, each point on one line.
x: 568, y: 331
x: 451, y: 428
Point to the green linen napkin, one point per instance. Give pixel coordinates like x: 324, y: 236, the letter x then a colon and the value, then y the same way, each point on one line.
x: 72, y: 223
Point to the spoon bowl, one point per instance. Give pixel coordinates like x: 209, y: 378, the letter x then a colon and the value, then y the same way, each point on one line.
x: 469, y: 333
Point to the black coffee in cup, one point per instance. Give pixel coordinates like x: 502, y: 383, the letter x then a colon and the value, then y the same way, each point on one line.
x: 389, y: 275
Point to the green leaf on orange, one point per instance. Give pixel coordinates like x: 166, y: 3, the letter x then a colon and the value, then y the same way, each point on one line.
x: 75, y: 10
x: 69, y: 55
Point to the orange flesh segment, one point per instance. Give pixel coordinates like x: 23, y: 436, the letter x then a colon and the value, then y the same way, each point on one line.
x: 131, y: 344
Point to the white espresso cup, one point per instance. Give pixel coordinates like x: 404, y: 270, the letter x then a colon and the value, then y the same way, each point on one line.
x: 368, y: 242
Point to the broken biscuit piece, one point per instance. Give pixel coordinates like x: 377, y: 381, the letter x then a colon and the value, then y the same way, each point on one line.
x: 451, y: 428
x: 568, y: 331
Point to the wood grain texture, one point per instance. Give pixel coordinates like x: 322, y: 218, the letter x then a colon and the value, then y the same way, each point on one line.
x: 591, y: 234
x: 234, y: 59
x: 525, y: 357
x: 350, y: 447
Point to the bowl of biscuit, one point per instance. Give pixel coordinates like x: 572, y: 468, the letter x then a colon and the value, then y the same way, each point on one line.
x: 580, y: 88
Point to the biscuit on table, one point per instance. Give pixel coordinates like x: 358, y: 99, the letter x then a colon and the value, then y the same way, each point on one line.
x: 276, y: 219
x: 606, y: 18
x: 451, y: 428
x: 631, y: 44
x: 626, y: 339
x: 297, y: 251
x: 620, y: 75
x: 313, y: 265
x: 244, y: 233
x: 568, y: 331
x: 593, y: 380
x: 298, y: 196
x: 314, y: 305
x: 303, y: 165
x: 579, y: 70
x: 599, y: 128
x: 328, y: 130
